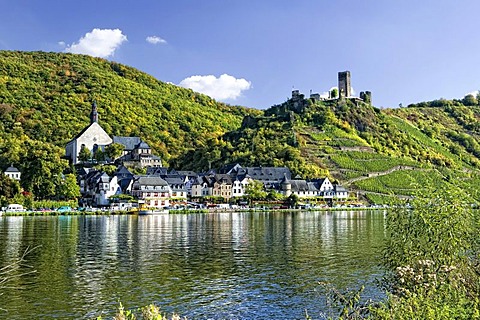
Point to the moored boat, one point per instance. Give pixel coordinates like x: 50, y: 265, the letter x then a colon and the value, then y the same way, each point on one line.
x: 143, y: 212
x: 143, y: 209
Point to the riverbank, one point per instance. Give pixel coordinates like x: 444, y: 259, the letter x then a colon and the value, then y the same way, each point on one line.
x: 189, y: 211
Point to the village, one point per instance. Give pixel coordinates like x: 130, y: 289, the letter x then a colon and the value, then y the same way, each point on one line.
x: 139, y: 176
x: 166, y: 188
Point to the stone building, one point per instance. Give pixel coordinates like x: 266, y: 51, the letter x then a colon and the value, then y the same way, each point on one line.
x: 366, y: 96
x: 344, y: 85
x: 137, y: 152
x: 92, y: 137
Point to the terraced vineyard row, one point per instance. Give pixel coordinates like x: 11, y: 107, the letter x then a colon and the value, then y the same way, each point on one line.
x: 401, y: 182
x: 370, y: 163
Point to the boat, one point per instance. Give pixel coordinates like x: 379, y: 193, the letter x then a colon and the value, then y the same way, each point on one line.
x: 143, y: 210
x: 151, y: 211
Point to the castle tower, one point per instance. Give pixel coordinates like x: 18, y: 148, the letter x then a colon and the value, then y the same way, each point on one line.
x: 366, y: 96
x: 94, y: 113
x: 344, y: 85
x: 286, y: 186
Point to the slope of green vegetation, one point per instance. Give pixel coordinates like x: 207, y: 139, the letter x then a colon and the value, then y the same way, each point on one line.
x: 377, y: 152
x: 48, y: 97
x: 45, y: 100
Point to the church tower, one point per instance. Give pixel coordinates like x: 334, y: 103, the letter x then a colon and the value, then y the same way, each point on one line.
x: 92, y: 137
x: 94, y: 113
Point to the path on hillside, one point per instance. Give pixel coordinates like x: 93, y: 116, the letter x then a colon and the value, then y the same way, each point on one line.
x: 399, y: 196
x: 381, y: 173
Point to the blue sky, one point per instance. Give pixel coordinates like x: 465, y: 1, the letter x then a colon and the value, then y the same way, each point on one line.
x: 253, y: 53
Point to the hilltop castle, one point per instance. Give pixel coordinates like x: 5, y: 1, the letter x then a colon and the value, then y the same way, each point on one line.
x: 344, y: 92
x: 298, y: 103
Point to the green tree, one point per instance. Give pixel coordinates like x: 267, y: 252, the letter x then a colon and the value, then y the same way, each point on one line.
x: 114, y: 150
x: 292, y: 200
x: 334, y: 93
x: 8, y: 187
x: 84, y: 155
x: 42, y: 168
x: 274, y: 195
x: 470, y: 100
x: 99, y: 155
x: 107, y: 168
x: 255, y: 190
x: 431, y: 255
x: 68, y: 188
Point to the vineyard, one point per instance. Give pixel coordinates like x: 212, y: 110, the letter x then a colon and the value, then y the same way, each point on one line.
x: 369, y: 162
x: 405, y: 183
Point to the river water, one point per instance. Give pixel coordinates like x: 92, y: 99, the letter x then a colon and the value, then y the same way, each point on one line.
x: 202, y: 266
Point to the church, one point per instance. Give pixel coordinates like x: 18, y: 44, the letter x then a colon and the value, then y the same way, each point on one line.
x: 136, y: 152
x: 92, y: 137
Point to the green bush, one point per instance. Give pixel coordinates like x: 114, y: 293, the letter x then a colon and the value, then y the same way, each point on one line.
x: 150, y: 312
x: 432, y: 258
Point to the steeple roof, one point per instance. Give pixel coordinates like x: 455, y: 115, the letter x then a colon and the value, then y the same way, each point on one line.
x: 94, y: 113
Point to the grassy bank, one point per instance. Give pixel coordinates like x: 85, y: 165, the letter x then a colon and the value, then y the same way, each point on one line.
x: 185, y: 211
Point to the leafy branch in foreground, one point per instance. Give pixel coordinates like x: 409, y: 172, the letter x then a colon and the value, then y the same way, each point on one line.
x: 431, y: 255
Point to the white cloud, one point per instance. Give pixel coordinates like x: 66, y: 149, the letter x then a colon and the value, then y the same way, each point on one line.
x: 326, y: 94
x: 155, y: 40
x: 61, y: 43
x: 222, y: 88
x: 473, y: 93
x: 98, y: 43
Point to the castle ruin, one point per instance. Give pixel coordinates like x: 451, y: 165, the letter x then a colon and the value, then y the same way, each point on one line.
x: 344, y: 85
x: 344, y: 92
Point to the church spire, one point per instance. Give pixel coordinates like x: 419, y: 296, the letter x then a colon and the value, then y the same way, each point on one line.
x: 94, y: 113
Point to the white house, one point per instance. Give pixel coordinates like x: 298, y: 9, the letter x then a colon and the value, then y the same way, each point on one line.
x: 13, y: 173
x: 325, y: 188
x: 239, y: 185
x: 106, y: 187
x: 177, y: 186
x: 340, y: 192
x: 153, y: 190
x: 202, y: 187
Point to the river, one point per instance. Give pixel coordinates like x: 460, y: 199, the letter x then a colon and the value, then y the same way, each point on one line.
x: 202, y: 266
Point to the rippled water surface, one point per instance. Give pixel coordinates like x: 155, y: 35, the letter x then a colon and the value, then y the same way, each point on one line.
x: 204, y: 266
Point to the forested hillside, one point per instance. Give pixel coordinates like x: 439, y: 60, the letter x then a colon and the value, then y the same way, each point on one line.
x: 45, y: 100
x: 49, y: 96
x: 377, y: 153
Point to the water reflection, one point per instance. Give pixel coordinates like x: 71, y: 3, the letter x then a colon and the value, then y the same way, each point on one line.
x: 215, y: 266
